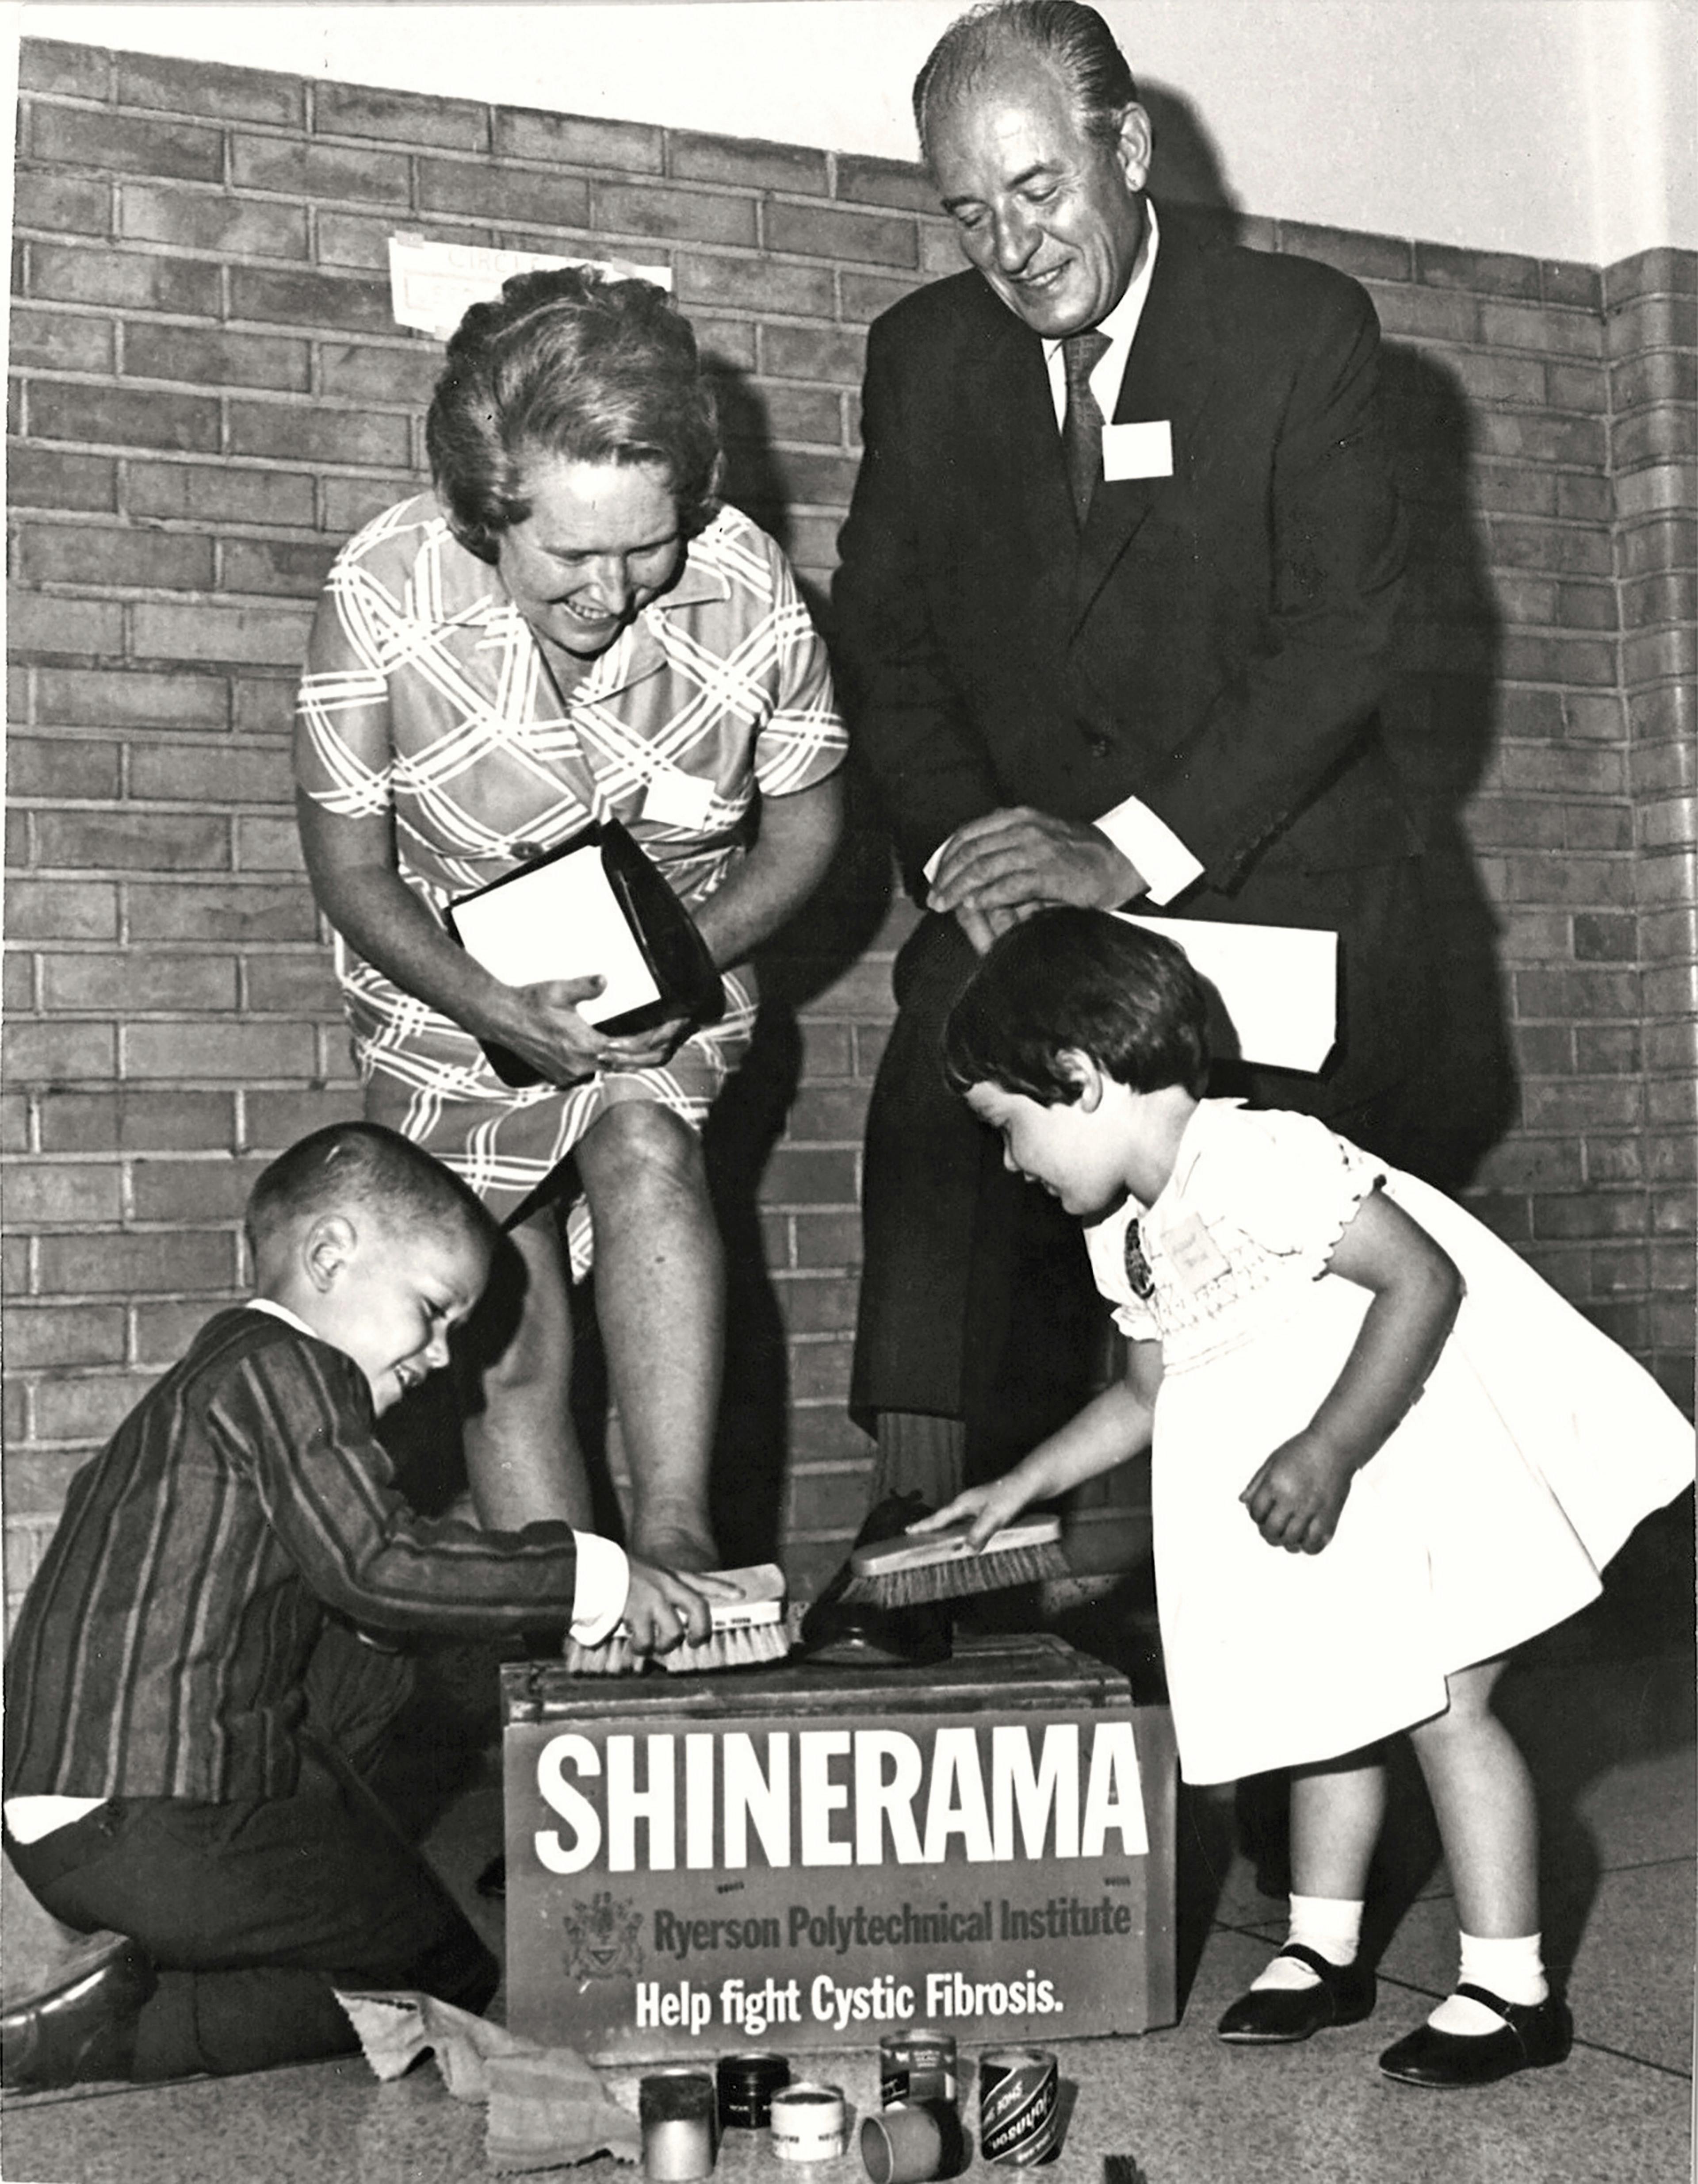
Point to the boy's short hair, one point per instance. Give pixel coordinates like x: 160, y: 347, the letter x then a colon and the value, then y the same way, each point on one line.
x: 348, y: 1166
x: 1079, y: 979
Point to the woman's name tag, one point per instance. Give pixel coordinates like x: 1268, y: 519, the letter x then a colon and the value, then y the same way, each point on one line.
x: 676, y: 799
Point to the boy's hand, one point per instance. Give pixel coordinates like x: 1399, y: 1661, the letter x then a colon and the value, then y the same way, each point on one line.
x: 990, y: 1508
x: 664, y: 1609
x: 1297, y: 1498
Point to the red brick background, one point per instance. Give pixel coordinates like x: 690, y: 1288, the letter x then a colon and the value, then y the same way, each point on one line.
x: 209, y: 393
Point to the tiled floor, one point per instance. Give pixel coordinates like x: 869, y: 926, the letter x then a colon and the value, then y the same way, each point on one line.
x: 1605, y: 1709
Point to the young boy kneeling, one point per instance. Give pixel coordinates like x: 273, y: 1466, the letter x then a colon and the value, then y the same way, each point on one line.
x: 193, y: 1694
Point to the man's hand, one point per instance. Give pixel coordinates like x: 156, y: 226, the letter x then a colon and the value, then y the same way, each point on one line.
x: 995, y: 872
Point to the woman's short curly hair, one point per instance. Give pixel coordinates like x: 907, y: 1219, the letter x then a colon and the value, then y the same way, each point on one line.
x: 572, y: 364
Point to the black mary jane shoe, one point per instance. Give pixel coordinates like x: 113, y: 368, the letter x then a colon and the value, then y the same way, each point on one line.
x: 82, y: 2027
x: 1276, y: 2016
x: 1533, y: 2035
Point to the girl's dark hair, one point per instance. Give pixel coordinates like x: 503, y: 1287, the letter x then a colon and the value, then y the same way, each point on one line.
x: 346, y: 1166
x: 1071, y: 38
x: 571, y: 364
x: 1079, y: 979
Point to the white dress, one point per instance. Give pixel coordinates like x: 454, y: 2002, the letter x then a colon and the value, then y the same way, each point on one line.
x: 1534, y: 1449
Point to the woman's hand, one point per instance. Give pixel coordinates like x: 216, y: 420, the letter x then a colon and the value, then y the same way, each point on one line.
x: 664, y: 1609
x: 1297, y: 1498
x: 541, y: 1025
x: 352, y: 864
x: 646, y: 1049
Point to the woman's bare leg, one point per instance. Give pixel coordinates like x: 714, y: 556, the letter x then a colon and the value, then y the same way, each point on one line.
x: 522, y: 1456
x: 660, y: 1291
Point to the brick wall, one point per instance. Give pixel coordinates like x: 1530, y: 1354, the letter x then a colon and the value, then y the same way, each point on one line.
x: 208, y: 394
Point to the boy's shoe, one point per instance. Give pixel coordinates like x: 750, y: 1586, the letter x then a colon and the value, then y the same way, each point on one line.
x: 1534, y: 2036
x: 83, y: 2025
x: 1275, y: 2016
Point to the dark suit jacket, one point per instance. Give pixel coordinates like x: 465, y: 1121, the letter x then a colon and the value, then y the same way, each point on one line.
x: 1214, y: 643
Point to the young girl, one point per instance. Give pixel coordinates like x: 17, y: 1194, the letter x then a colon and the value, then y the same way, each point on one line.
x: 1385, y: 1452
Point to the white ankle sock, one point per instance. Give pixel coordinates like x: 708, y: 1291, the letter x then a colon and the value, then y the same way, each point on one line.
x: 1330, y: 1925
x: 1513, y: 1968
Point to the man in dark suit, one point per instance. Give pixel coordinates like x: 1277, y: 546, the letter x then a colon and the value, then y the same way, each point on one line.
x: 1112, y: 619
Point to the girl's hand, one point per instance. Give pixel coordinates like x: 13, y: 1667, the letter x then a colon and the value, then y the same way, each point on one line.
x: 1297, y: 1498
x: 664, y: 1609
x: 990, y: 1508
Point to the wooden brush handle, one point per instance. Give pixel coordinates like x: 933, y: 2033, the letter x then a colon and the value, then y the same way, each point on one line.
x: 762, y: 1587
x: 921, y: 1550
x: 745, y: 1614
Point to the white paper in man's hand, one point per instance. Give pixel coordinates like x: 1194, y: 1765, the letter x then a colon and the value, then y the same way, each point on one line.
x: 1277, y: 984
x: 559, y: 920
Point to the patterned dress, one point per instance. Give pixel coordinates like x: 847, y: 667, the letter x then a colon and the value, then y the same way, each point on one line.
x: 719, y: 688
x: 1535, y: 1447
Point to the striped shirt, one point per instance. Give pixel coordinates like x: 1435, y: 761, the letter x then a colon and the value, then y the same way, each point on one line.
x: 163, y: 1644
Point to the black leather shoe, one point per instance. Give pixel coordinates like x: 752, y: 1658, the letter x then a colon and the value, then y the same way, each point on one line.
x: 1534, y: 2036
x: 1275, y: 2016
x: 493, y: 1880
x: 81, y: 2027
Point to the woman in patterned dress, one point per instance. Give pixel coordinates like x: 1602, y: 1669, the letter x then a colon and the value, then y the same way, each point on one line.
x: 569, y: 626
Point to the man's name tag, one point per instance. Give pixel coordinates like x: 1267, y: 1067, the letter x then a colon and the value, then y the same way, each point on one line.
x: 676, y: 799
x: 1137, y: 451
x: 1194, y: 1254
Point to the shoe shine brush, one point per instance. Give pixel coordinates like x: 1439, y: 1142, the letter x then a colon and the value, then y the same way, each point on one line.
x: 747, y: 1633
x: 918, y: 1566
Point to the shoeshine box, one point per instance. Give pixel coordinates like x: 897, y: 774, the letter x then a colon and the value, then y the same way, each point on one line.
x: 804, y: 1856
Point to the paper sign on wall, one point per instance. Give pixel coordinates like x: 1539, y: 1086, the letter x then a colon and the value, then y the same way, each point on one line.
x: 433, y: 285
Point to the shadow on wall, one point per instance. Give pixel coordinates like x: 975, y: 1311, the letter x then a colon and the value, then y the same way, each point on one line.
x: 1185, y: 168
x: 1439, y: 709
x: 1440, y: 720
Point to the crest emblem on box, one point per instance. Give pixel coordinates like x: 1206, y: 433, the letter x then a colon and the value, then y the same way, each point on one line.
x: 602, y: 1937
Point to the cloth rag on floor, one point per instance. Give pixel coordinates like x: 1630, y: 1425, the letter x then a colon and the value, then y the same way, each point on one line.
x: 546, y: 2108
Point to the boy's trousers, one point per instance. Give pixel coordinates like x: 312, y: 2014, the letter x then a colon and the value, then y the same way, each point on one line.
x: 255, y: 1911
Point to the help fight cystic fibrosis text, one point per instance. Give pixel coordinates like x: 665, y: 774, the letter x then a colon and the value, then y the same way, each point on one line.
x: 755, y: 2009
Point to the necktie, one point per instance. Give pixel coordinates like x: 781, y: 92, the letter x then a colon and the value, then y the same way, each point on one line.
x: 1081, y: 428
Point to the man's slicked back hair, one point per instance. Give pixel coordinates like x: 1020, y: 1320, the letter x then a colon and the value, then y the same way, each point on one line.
x: 1065, y: 35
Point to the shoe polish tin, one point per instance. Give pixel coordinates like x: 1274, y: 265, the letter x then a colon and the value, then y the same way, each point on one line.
x: 746, y: 2084
x: 915, y: 2065
x: 1019, y: 2107
x: 809, y: 2122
